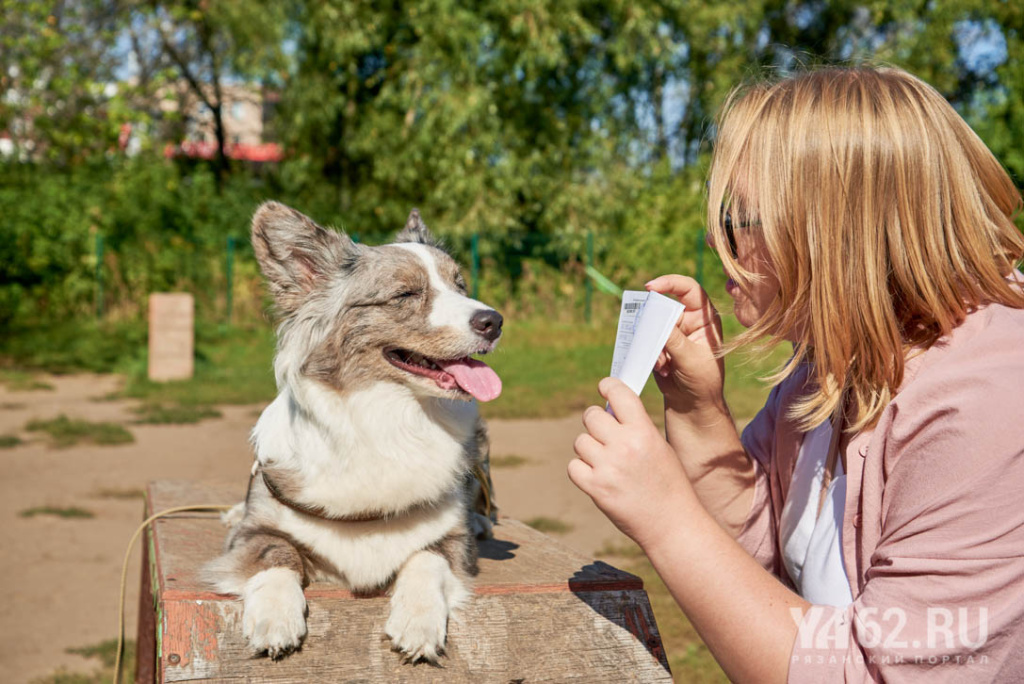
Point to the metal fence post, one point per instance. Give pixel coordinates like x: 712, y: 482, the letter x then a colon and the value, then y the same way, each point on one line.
x: 99, y: 275
x: 474, y: 248
x: 588, y: 285
x: 230, y: 272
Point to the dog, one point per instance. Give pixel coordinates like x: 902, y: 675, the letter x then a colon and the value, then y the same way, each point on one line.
x: 371, y: 465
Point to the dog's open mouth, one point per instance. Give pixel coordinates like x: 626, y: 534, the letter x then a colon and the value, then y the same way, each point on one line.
x: 467, y: 375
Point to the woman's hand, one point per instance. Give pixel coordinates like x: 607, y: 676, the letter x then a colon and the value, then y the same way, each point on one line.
x: 688, y: 373
x: 628, y: 469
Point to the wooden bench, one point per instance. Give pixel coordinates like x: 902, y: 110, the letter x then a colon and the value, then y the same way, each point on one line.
x: 540, y: 613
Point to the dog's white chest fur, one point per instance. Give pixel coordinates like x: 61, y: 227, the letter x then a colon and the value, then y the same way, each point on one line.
x: 377, y: 449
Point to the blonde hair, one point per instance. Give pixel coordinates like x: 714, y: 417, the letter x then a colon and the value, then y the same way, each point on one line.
x: 885, y: 217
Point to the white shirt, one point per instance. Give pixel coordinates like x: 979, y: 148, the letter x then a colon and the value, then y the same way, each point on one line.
x: 812, y: 547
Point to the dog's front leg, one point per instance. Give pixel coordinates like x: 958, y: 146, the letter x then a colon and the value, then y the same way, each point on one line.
x: 426, y: 592
x: 273, y: 605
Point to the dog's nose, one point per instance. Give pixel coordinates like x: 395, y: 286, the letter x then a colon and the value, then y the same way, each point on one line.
x: 487, y: 323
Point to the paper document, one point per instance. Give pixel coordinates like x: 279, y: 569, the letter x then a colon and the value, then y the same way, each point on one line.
x: 645, y: 321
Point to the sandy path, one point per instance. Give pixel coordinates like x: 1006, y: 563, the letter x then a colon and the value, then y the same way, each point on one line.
x: 59, y: 577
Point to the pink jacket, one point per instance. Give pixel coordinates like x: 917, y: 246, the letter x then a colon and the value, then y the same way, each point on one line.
x: 933, y: 530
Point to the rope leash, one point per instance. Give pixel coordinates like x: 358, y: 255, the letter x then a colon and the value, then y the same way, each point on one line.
x: 124, y: 571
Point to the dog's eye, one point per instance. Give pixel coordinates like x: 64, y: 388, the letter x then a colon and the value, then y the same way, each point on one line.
x: 407, y: 294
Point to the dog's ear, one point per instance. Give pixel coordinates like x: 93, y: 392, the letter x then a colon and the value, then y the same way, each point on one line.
x: 415, y: 230
x: 295, y: 254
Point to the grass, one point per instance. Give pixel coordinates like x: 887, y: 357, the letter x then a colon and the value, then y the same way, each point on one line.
x: 9, y: 441
x: 175, y: 414
x: 508, y: 461
x: 22, y: 381
x: 69, y: 512
x: 552, y: 370
x: 549, y: 525
x: 120, y: 494
x: 233, y: 366
x: 66, y: 431
x: 106, y: 652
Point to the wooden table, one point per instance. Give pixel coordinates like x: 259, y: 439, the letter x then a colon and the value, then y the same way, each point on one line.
x: 540, y: 613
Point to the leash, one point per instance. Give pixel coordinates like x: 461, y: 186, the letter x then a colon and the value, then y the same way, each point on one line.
x: 124, y: 571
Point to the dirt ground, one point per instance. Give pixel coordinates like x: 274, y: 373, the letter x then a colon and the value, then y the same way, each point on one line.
x: 59, y: 577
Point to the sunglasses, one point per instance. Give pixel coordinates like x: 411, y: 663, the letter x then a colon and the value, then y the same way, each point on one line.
x: 730, y: 233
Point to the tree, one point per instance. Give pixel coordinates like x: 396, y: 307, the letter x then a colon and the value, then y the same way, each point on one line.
x: 60, y: 101
x: 205, y: 45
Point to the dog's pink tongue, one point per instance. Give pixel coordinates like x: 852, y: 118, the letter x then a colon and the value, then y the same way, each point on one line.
x: 475, y: 377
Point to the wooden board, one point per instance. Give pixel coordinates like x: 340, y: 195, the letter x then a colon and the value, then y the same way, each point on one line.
x: 540, y: 613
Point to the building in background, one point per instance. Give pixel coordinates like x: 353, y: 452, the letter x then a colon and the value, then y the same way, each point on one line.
x: 247, y: 112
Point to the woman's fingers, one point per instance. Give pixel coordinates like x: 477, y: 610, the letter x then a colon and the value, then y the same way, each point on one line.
x: 587, y: 448
x: 699, y: 312
x: 624, y: 402
x: 599, y: 423
x: 580, y: 474
x: 684, y: 288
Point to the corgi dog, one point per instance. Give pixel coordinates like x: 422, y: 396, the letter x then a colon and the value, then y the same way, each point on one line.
x: 371, y: 465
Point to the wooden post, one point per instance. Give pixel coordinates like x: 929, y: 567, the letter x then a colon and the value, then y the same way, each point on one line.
x: 171, y: 336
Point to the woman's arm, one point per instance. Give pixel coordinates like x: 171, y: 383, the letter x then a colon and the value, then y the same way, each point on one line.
x: 743, y: 613
x: 698, y: 424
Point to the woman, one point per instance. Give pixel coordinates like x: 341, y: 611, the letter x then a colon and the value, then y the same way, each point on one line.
x: 869, y: 524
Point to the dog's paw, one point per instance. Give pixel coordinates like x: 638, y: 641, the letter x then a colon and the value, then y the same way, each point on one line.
x: 418, y: 625
x: 481, y: 526
x: 274, y: 612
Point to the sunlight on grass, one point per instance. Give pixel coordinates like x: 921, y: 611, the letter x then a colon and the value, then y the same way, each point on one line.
x: 9, y: 441
x: 508, y: 461
x: 69, y: 512
x: 161, y: 414
x: 119, y: 494
x: 22, y: 381
x: 233, y: 366
x: 552, y: 370
x: 549, y: 525
x: 66, y: 431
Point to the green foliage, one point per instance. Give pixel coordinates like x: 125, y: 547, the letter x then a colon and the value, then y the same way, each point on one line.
x: 56, y: 66
x: 9, y: 441
x: 68, y: 512
x: 67, y: 432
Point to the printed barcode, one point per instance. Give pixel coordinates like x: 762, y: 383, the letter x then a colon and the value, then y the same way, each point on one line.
x: 629, y: 306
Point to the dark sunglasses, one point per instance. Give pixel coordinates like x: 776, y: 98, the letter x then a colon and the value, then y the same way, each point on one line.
x: 730, y: 233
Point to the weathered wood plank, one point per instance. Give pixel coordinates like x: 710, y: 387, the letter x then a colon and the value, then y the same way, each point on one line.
x: 540, y: 613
